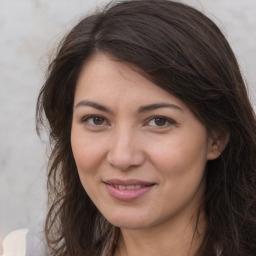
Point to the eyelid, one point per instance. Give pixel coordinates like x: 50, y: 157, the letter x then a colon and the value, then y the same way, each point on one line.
x: 87, y: 117
x: 167, y: 119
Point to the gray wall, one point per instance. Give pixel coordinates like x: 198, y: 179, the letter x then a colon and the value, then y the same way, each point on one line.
x: 29, y: 29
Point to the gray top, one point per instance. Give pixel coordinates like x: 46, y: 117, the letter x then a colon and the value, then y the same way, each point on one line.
x: 36, y: 243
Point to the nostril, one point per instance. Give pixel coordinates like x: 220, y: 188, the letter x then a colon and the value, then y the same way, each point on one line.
x: 124, y: 151
x: 125, y: 160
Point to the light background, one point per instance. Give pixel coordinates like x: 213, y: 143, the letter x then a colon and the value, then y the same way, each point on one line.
x: 29, y: 30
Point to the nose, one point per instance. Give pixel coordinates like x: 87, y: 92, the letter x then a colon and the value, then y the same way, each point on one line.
x: 125, y: 151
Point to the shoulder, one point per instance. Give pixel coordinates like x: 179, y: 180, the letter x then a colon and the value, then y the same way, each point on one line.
x: 24, y: 242
x: 15, y: 243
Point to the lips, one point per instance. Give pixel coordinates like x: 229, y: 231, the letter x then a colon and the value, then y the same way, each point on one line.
x: 130, y: 187
x: 128, y: 190
x: 131, y: 182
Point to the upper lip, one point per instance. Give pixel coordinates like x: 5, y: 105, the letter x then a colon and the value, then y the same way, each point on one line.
x: 128, y: 182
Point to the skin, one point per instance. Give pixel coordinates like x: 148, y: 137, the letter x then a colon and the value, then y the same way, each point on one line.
x: 167, y: 146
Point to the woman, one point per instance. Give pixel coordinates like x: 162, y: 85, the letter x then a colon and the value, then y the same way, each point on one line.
x: 153, y: 137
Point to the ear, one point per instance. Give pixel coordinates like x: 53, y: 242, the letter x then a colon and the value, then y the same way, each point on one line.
x: 217, y: 144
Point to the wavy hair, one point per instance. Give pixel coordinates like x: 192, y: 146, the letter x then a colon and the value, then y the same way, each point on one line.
x: 184, y: 52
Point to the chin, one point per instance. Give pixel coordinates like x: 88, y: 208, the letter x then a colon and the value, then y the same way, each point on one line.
x: 129, y: 225
x: 130, y: 222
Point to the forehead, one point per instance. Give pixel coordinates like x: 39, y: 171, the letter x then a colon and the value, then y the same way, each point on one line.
x: 105, y: 78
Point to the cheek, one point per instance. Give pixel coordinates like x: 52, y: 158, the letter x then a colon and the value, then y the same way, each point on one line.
x: 88, y: 152
x: 180, y: 160
x: 181, y: 166
x: 88, y: 156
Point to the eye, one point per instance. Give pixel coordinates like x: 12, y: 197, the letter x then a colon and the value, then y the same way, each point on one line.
x: 95, y: 120
x: 160, y: 121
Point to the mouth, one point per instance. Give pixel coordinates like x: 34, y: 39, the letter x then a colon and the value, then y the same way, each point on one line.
x: 130, y: 187
x: 127, y: 190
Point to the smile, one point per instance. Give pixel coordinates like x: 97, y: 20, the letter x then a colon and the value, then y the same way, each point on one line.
x: 130, y: 187
x: 128, y: 190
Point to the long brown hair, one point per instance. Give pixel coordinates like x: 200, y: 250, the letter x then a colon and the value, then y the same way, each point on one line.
x: 183, y: 52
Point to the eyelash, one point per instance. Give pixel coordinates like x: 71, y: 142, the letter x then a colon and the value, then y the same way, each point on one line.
x: 93, y: 117
x: 167, y: 121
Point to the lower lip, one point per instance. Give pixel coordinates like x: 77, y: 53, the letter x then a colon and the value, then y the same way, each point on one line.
x: 127, y: 194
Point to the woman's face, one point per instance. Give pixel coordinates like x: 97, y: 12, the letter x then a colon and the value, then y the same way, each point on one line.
x: 140, y: 152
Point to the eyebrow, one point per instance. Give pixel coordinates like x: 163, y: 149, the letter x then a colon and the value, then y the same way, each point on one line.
x: 141, y: 109
x: 155, y: 106
x: 93, y: 105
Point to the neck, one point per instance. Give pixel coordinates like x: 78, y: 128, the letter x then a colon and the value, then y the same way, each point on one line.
x: 172, y: 240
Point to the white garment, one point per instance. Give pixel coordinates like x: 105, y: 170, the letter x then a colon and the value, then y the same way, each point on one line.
x: 14, y: 244
x: 24, y: 242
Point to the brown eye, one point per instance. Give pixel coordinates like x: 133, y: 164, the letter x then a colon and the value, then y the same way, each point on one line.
x: 95, y: 120
x: 159, y: 121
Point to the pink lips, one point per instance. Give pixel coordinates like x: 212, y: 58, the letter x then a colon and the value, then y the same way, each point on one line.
x: 127, y: 190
